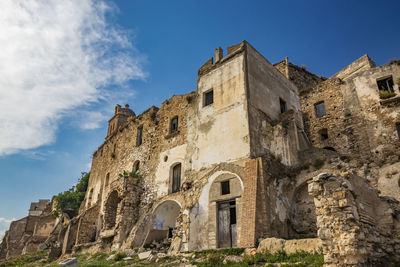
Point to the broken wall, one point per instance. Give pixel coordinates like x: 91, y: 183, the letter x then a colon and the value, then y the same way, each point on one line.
x: 356, y: 226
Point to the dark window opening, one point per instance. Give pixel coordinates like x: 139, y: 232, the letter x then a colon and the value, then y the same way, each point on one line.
x: 114, y: 148
x: 170, y: 232
x: 176, y: 178
x: 398, y: 129
x: 320, y: 109
x: 208, y: 98
x: 139, y: 136
x: 386, y: 84
x: 330, y: 148
x: 283, y: 106
x: 323, y: 133
x: 174, y: 125
x: 107, y: 179
x: 225, y: 188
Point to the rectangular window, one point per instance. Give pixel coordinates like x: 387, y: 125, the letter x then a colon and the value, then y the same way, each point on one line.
x: 139, y: 136
x: 320, y: 109
x: 282, y: 104
x: 208, y: 98
x: 398, y: 129
x: 385, y: 84
x: 176, y: 178
x: 323, y: 133
x: 174, y: 125
x: 225, y: 188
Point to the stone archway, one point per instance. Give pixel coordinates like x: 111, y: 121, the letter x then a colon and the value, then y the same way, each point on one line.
x: 302, y: 218
x: 164, y: 221
x: 111, y: 210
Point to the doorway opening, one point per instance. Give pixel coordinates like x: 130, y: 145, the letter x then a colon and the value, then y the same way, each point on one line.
x: 227, y: 224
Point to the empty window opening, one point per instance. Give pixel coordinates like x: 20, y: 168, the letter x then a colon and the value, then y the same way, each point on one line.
x: 386, y: 84
x: 320, y: 109
x: 323, y: 134
x: 114, y: 148
x: 398, y: 129
x: 170, y: 232
x: 107, y: 179
x: 176, y: 178
x: 139, y: 136
x: 208, y: 98
x: 330, y: 148
x: 136, y: 166
x: 283, y: 106
x: 174, y: 125
x: 225, y: 188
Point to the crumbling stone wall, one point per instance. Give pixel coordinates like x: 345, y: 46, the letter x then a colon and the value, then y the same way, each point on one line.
x: 298, y: 75
x: 88, y: 225
x: 357, y: 227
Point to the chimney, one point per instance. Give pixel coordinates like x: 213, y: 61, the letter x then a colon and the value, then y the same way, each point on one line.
x: 117, y: 108
x: 126, y: 105
x: 218, y: 54
x: 287, y: 67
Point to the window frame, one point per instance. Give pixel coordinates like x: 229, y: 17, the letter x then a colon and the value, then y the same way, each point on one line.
x: 386, y: 78
x: 205, y: 94
x: 176, y: 125
x: 176, y: 177
x: 317, y: 114
x: 228, y: 188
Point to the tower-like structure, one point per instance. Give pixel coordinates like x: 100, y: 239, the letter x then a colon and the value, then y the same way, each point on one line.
x: 121, y: 115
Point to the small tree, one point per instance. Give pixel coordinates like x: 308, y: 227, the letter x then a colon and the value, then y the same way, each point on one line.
x: 69, y: 201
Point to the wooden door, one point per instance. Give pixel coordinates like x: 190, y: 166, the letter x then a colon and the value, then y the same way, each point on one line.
x: 227, y: 224
x: 224, y: 225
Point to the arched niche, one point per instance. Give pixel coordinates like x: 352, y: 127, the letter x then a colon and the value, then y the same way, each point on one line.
x: 111, y: 210
x: 302, y: 218
x: 164, y: 221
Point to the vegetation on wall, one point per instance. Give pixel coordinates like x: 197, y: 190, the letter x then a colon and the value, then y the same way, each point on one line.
x: 127, y: 174
x: 386, y: 94
x: 69, y: 201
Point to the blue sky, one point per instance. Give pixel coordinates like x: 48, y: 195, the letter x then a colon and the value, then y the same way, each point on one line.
x: 55, y: 108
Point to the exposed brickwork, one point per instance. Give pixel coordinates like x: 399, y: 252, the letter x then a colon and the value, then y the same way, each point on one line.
x: 249, y: 203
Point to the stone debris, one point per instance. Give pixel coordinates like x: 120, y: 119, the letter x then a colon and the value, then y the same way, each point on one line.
x: 72, y: 262
x: 144, y: 255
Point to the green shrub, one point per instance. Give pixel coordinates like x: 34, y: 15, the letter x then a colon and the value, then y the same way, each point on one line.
x: 119, y: 256
x: 383, y: 94
x: 127, y: 174
x: 69, y: 201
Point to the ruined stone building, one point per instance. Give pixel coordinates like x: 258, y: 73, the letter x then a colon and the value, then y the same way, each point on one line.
x: 257, y: 151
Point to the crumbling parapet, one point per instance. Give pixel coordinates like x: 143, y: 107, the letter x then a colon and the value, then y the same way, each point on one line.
x: 356, y: 226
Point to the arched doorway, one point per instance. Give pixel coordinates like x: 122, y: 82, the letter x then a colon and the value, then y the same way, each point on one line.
x: 224, y: 197
x: 303, y: 220
x: 164, y: 221
x: 111, y: 210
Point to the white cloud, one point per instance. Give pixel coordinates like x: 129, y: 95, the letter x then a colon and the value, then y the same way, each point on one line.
x: 4, y: 220
x: 4, y: 225
x: 56, y: 56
